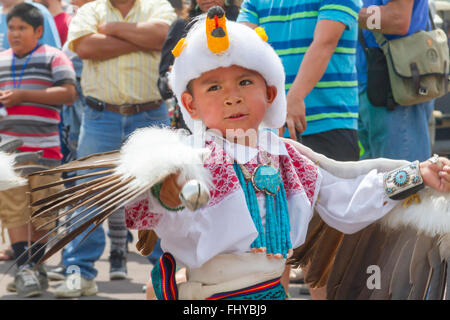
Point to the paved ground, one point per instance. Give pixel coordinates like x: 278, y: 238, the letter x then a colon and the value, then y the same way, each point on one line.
x: 131, y: 289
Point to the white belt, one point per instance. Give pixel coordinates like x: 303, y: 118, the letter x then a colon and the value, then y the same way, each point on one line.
x: 228, y: 272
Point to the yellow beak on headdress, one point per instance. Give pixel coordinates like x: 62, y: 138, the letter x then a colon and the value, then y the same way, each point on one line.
x: 216, y: 30
x: 216, y: 33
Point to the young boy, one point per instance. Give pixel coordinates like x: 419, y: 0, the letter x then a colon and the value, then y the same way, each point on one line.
x: 231, y: 82
x: 34, y: 81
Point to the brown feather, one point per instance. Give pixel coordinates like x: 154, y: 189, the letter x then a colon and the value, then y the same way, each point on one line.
x: 369, y: 253
x: 76, y: 230
x: 96, y: 200
x: 400, y: 285
x: 70, y: 199
x: 388, y: 259
x: 419, y: 270
x: 124, y: 197
x: 63, y: 181
x: 69, y: 191
x: 345, y: 252
x: 109, y: 206
x: 63, y: 241
x: 367, y: 250
x: 323, y: 257
x: 447, y: 282
x: 390, y: 238
x: 303, y: 254
x: 437, y: 280
x: 94, y: 161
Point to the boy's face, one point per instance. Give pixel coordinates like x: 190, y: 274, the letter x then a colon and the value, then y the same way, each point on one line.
x: 229, y: 98
x: 22, y: 36
x: 204, y: 5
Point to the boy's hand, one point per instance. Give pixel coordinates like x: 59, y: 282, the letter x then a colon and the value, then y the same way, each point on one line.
x: 436, y: 173
x: 170, y: 191
x: 10, y: 98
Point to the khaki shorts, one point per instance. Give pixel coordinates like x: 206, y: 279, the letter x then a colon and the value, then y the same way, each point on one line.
x: 15, y: 203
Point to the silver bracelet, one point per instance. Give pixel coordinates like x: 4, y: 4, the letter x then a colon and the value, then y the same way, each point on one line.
x: 403, y: 182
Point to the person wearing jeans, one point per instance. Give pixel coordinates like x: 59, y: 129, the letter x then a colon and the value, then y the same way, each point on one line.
x: 398, y: 134
x: 95, y: 137
x: 119, y: 43
x: 401, y: 133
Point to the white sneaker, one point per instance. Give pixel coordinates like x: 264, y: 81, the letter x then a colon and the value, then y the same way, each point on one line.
x: 76, y: 286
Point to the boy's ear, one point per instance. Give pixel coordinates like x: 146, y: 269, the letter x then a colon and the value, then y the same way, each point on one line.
x: 39, y: 31
x: 271, y: 94
x: 188, y: 102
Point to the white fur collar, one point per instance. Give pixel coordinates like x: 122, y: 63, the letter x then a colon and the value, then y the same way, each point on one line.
x: 267, y: 141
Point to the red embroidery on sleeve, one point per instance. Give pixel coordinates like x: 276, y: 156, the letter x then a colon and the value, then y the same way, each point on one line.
x: 138, y: 216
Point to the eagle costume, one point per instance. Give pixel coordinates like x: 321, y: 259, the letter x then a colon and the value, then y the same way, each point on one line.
x: 245, y: 209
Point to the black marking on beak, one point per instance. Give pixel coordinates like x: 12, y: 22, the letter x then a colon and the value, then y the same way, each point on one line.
x: 218, y: 32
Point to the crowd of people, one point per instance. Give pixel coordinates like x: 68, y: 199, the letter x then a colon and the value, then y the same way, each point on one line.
x: 79, y: 78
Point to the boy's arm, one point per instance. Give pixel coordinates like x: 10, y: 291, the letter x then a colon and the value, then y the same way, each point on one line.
x: 64, y: 94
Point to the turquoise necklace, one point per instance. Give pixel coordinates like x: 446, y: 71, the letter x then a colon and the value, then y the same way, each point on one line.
x: 265, y: 178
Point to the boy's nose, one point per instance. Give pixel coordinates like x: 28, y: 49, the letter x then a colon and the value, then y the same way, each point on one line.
x: 233, y: 100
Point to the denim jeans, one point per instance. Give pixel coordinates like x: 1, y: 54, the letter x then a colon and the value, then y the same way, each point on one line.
x: 101, y: 132
x: 71, y: 123
x: 398, y: 134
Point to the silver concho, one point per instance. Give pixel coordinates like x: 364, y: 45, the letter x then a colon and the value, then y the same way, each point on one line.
x: 194, y: 195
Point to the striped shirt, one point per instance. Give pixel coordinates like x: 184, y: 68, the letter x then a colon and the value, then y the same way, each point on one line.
x: 290, y: 25
x: 36, y: 124
x: 129, y: 78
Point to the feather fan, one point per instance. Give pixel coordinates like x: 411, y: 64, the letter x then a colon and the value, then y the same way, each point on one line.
x: 406, y: 253
x: 112, y: 179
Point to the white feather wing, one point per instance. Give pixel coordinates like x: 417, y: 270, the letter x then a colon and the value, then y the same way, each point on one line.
x: 8, y: 178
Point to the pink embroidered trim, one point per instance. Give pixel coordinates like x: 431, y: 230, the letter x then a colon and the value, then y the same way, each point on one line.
x: 138, y: 216
x: 298, y: 172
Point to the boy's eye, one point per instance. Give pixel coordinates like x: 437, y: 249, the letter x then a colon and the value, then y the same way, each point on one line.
x: 214, y: 88
x: 245, y: 82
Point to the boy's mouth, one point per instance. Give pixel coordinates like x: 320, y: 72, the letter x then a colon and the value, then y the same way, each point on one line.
x: 236, y: 116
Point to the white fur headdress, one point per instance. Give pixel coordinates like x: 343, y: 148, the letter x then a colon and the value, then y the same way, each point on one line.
x: 243, y: 47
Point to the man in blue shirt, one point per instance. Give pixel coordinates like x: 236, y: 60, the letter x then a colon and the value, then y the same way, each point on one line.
x: 316, y: 41
x: 50, y: 35
x: 403, y: 132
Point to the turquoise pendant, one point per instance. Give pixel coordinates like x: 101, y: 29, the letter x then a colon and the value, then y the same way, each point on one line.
x: 266, y: 179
